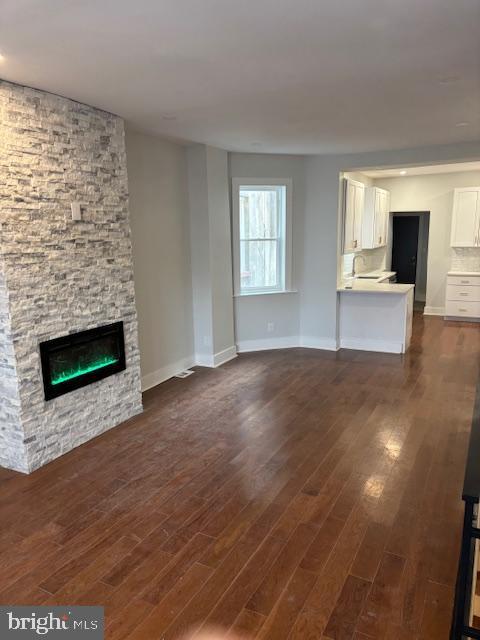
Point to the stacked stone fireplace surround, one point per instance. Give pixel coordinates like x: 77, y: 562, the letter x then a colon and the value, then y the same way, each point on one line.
x: 58, y: 276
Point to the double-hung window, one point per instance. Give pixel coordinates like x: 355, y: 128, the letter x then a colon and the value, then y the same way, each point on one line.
x: 262, y: 235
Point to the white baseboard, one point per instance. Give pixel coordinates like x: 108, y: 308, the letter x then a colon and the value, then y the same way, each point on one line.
x: 265, y: 344
x: 434, y: 311
x: 225, y: 356
x: 325, y: 344
x: 287, y: 342
x: 361, y: 344
x: 312, y: 342
x: 216, y: 359
x: 204, y: 360
x: 165, y: 373
x: 461, y: 319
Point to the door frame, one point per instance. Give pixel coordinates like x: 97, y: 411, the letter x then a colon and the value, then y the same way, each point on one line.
x: 411, y: 214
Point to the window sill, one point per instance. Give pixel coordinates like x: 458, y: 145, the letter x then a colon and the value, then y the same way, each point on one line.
x: 264, y: 293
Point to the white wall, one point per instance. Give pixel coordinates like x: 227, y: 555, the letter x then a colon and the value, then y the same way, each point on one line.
x: 200, y: 251
x: 359, y: 177
x: 221, y: 250
x: 322, y: 254
x: 210, y: 239
x: 312, y: 314
x: 253, y: 313
x: 157, y: 179
x: 432, y: 193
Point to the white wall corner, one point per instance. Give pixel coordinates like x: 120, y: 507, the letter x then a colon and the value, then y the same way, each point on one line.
x: 204, y: 360
x: 312, y: 342
x: 165, y: 373
x: 225, y: 356
x: 434, y: 311
x: 213, y: 360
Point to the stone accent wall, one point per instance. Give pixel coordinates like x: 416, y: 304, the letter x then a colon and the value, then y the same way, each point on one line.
x: 61, y: 276
x: 12, y: 448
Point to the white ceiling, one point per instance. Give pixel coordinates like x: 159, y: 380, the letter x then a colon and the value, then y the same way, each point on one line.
x: 422, y: 171
x: 291, y: 76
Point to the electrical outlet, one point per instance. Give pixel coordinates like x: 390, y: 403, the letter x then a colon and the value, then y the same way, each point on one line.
x: 270, y: 327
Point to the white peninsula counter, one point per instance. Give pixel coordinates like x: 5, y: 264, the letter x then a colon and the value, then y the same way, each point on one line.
x: 375, y: 316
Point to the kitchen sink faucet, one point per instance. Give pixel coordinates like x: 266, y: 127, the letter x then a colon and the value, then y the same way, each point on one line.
x: 357, y: 255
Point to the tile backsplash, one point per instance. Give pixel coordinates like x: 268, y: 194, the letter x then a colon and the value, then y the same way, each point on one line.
x: 373, y: 259
x: 465, y: 259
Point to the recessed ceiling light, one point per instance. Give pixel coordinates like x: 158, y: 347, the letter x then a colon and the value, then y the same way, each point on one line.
x: 2, y: 58
x: 403, y: 172
x: 462, y: 124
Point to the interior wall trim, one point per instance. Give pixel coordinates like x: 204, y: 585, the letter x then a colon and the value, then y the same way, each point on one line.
x: 287, y: 342
x: 381, y: 346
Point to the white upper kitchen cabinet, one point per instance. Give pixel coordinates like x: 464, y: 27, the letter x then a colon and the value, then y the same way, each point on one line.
x: 466, y: 217
x: 354, y: 195
x: 375, y: 218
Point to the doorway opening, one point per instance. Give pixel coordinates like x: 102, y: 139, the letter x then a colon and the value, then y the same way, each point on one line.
x: 410, y: 251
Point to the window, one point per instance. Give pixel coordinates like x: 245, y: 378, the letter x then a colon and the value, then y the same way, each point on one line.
x: 262, y: 230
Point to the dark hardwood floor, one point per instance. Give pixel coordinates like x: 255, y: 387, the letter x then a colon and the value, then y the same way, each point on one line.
x: 292, y: 494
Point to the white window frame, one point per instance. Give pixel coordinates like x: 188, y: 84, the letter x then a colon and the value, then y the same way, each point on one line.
x: 286, y: 280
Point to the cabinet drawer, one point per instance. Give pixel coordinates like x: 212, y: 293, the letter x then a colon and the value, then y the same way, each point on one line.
x: 464, y: 280
x: 463, y: 292
x: 466, y: 309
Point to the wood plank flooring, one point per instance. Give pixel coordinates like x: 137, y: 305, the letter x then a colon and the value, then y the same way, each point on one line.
x: 288, y: 494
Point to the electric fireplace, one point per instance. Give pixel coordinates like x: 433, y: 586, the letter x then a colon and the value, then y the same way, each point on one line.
x: 79, y: 359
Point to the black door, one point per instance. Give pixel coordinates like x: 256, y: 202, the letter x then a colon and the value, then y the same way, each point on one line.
x: 404, y: 251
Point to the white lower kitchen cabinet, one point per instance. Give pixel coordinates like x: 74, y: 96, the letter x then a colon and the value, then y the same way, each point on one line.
x: 379, y: 320
x: 463, y: 296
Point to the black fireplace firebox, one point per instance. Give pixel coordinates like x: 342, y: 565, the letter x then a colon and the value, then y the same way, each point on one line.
x: 79, y: 359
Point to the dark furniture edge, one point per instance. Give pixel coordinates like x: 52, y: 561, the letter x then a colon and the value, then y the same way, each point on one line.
x: 471, y: 484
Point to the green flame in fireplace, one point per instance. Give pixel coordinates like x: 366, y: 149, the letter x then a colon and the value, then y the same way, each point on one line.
x: 75, y: 373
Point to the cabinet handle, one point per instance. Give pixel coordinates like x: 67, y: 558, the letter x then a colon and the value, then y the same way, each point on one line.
x: 355, y: 242
x: 460, y: 309
x: 464, y: 294
x: 464, y: 281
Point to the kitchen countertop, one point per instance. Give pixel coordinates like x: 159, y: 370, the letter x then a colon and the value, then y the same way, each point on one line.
x: 464, y: 273
x: 360, y: 285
